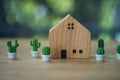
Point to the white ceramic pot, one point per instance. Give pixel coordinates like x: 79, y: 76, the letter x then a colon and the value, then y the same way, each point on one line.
x: 118, y: 56
x: 45, y: 57
x: 11, y: 55
x: 34, y: 54
x: 99, y: 57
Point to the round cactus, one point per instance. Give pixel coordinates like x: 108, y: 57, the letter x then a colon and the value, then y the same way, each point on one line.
x: 118, y: 49
x: 46, y: 50
x: 100, y: 51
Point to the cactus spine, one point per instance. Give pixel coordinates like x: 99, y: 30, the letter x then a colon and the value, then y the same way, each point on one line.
x: 46, y: 50
x: 118, y: 49
x: 35, y: 44
x: 11, y: 48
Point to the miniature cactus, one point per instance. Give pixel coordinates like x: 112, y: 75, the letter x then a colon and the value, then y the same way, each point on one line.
x: 12, y: 49
x: 35, y: 44
x: 118, y: 49
x: 101, y: 43
x: 100, y: 51
x: 45, y: 54
x: 46, y: 50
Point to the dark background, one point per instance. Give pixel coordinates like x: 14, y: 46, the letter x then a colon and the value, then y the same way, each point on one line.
x: 34, y: 18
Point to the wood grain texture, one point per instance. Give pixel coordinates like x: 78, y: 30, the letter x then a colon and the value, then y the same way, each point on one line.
x: 27, y: 68
x: 62, y: 38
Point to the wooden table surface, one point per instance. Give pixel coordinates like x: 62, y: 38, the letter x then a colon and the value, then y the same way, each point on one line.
x: 27, y: 68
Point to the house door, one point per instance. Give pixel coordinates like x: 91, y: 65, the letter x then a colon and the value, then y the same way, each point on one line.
x: 63, y: 54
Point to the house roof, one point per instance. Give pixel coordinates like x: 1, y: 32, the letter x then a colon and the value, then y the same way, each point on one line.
x: 68, y: 16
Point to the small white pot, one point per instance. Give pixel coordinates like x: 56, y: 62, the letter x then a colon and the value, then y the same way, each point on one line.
x: 45, y: 57
x: 118, y: 56
x: 11, y: 55
x: 99, y: 57
x: 34, y: 54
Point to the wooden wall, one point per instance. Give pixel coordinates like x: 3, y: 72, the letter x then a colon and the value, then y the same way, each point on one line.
x: 62, y: 38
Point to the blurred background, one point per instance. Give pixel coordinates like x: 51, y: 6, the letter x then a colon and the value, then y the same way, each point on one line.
x: 34, y: 18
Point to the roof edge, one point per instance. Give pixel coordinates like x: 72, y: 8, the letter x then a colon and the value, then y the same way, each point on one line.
x: 60, y: 22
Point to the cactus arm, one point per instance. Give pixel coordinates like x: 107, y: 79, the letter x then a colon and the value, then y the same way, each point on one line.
x: 39, y: 44
x: 31, y: 43
x: 9, y: 43
x: 16, y: 44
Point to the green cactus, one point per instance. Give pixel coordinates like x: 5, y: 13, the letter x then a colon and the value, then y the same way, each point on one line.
x: 46, y: 50
x: 35, y: 44
x: 100, y: 51
x: 118, y: 49
x: 101, y: 43
x: 11, y: 48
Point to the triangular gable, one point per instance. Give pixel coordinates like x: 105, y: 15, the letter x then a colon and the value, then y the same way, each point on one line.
x: 68, y: 16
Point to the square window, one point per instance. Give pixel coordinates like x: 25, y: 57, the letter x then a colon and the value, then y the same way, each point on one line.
x: 72, y: 27
x: 80, y: 51
x: 72, y: 24
x: 74, y: 51
x: 68, y: 27
x: 68, y: 24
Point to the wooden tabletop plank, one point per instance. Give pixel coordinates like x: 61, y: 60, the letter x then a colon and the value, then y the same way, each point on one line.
x: 27, y: 68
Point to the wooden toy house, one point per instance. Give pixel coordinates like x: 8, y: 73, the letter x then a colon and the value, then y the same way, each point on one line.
x: 69, y: 39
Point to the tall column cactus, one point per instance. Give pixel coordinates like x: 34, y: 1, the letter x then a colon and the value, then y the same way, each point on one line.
x: 46, y: 50
x: 100, y: 43
x: 100, y: 50
x: 35, y: 44
x: 11, y: 48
